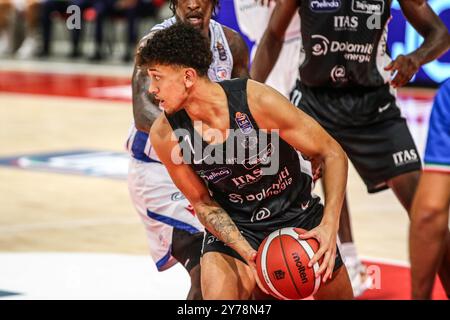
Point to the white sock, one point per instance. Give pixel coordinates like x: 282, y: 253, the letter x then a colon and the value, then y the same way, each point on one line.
x: 348, y: 251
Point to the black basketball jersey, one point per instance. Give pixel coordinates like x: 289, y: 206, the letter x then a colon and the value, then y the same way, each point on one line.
x: 235, y: 171
x: 344, y: 42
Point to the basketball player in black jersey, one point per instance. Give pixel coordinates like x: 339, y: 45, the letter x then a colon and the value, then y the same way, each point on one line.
x: 185, y: 246
x: 240, y: 198
x: 344, y: 83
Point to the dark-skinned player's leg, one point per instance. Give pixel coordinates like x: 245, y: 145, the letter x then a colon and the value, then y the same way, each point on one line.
x: 356, y: 270
x: 195, y: 293
x: 404, y: 187
x: 186, y: 248
x: 345, y: 227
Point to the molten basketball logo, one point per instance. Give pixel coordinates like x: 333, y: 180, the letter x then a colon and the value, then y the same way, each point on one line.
x: 282, y: 265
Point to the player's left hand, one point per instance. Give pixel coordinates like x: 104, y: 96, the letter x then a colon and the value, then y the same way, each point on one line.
x: 251, y: 261
x: 326, y: 235
x: 404, y: 67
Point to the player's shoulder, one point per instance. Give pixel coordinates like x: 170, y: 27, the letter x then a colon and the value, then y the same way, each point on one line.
x: 230, y: 33
x: 160, y: 26
x: 234, y: 38
x: 261, y: 98
x: 259, y: 92
x: 143, y: 41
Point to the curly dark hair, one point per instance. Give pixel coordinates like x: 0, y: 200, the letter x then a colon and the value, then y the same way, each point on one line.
x: 173, y: 5
x: 180, y: 45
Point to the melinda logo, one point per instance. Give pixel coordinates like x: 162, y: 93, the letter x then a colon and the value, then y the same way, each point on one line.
x: 324, y: 5
x: 215, y: 175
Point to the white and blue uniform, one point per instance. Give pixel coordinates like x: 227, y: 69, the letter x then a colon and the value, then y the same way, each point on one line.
x: 252, y: 19
x: 160, y: 204
x: 437, y: 152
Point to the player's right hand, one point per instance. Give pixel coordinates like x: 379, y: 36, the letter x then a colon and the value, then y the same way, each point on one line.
x: 404, y: 67
x: 326, y: 235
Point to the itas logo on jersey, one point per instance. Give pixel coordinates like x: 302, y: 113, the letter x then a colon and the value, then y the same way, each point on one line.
x: 324, y: 5
x: 243, y: 122
x: 346, y: 23
x: 221, y: 50
x: 248, y: 178
x: 283, y: 181
x: 404, y: 157
x: 368, y: 6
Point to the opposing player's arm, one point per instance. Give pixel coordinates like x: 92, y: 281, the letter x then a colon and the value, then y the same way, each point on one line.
x: 436, y: 40
x: 272, y: 41
x: 145, y: 107
x: 272, y: 110
x: 239, y: 50
x: 209, y: 212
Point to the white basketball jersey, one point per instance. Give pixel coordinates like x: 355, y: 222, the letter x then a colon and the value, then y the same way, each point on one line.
x: 252, y: 19
x: 138, y: 143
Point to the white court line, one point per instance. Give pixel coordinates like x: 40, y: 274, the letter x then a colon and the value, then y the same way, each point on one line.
x: 71, y: 224
x: 66, y: 67
x: 393, y: 262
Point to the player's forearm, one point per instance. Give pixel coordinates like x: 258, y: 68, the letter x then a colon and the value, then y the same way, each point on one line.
x: 435, y: 44
x: 266, y: 56
x: 145, y: 109
x: 335, y: 168
x: 217, y: 221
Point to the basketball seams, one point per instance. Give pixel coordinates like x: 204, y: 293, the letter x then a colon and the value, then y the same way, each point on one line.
x: 287, y: 265
x: 269, y: 245
x: 309, y: 251
x: 264, y: 272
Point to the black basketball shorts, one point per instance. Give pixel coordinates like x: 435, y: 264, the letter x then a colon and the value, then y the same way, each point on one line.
x: 307, y: 220
x: 368, y: 125
x: 186, y: 247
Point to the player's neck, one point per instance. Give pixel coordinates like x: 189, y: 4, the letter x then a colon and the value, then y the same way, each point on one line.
x: 207, y: 102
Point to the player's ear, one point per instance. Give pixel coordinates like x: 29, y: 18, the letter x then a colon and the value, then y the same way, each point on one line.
x: 190, y: 77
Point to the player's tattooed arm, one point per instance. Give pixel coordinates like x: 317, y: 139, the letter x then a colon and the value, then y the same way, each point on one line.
x: 145, y: 106
x: 219, y: 223
x: 239, y: 50
x: 209, y: 212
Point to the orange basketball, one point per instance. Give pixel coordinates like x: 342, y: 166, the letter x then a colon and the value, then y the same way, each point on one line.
x: 282, y: 265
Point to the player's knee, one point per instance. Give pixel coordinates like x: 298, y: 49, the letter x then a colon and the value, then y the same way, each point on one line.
x: 232, y: 289
x: 431, y: 214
